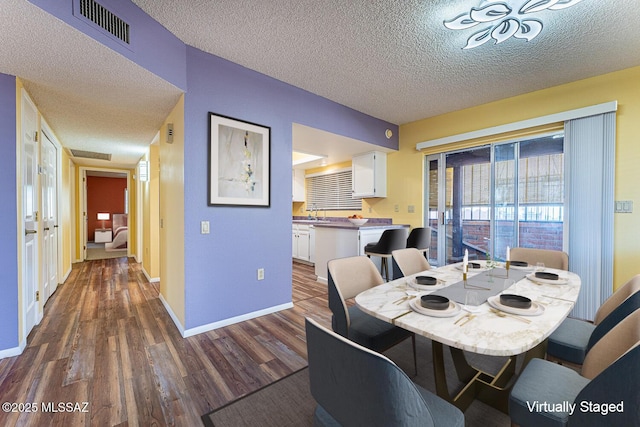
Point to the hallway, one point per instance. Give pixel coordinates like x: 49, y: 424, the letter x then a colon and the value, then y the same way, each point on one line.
x: 107, y: 340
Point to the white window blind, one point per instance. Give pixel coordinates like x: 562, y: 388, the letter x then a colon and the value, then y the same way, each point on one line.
x: 590, y: 145
x: 331, y: 191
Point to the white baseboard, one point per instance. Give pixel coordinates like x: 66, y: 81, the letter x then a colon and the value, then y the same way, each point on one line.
x: 149, y: 278
x: 66, y: 276
x: 15, y: 351
x: 226, y: 322
x: 172, y: 315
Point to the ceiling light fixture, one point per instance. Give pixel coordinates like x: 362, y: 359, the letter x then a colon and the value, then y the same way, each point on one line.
x: 504, y: 21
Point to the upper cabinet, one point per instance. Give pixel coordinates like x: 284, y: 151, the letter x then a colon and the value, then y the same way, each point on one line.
x: 298, y: 185
x: 369, y: 174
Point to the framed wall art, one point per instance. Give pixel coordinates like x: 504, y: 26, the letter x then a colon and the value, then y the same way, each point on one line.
x: 239, y: 162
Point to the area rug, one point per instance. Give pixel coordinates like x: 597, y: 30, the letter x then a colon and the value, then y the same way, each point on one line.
x: 99, y: 252
x: 288, y: 401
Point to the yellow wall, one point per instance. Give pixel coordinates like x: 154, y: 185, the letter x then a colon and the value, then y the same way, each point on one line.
x: 172, y: 286
x: 405, y: 168
x: 66, y: 199
x: 151, y: 214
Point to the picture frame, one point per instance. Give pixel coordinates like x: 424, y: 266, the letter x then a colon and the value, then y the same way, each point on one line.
x: 239, y: 162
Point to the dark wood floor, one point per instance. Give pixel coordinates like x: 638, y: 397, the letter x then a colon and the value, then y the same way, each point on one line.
x: 106, y: 339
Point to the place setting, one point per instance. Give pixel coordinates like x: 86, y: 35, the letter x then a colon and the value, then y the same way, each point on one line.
x: 424, y: 283
x: 547, y: 278
x: 511, y: 302
x: 434, y: 306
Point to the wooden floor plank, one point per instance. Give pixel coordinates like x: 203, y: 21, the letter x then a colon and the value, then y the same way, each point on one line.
x: 106, y: 339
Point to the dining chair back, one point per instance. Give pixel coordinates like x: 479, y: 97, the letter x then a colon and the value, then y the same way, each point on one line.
x: 550, y: 258
x: 356, y: 386
x: 610, y: 347
x: 631, y: 287
x: 572, y: 340
x: 408, y: 261
x: 609, y: 375
x: 347, y: 277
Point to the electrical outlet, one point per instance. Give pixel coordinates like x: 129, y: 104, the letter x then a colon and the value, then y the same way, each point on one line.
x: 261, y: 274
x: 396, y: 208
x: 411, y: 209
x: 204, y: 227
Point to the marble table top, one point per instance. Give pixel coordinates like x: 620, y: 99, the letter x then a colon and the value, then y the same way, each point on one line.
x: 486, y: 332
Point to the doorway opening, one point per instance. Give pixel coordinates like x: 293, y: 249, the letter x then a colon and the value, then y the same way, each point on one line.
x: 105, y: 202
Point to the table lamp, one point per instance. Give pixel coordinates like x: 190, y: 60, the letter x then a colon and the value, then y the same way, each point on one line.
x: 103, y: 216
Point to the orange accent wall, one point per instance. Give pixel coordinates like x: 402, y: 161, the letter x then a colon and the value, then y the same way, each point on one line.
x: 104, y: 195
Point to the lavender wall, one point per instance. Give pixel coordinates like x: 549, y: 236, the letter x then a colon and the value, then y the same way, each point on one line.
x: 220, y: 268
x: 152, y: 46
x: 8, y: 242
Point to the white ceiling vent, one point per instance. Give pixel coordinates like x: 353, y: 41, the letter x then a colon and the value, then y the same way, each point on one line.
x: 90, y: 155
x: 103, y: 18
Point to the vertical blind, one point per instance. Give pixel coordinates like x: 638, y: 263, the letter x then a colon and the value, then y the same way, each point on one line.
x: 590, y: 149
x: 331, y: 191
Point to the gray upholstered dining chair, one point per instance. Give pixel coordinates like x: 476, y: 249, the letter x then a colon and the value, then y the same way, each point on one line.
x: 420, y: 238
x: 574, y: 338
x: 408, y: 261
x: 544, y: 391
x: 355, y: 386
x: 550, y: 258
x: 390, y: 240
x: 347, y: 278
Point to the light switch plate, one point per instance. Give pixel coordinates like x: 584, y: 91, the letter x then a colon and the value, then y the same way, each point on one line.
x: 204, y: 227
x: 624, y: 206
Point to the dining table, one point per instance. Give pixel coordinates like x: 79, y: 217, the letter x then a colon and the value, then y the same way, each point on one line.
x: 476, y: 321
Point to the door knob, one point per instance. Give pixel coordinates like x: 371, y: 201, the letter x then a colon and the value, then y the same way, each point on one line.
x: 30, y: 232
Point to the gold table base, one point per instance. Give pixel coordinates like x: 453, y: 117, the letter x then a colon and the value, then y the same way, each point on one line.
x: 491, y: 389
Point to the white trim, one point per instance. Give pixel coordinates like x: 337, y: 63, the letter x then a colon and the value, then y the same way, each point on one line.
x: 172, y: 315
x: 14, y: 351
x: 65, y: 276
x: 149, y: 278
x: 230, y: 321
x: 563, y: 116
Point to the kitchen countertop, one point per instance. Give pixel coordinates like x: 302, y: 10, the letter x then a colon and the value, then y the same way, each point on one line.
x: 367, y: 226
x: 343, y: 223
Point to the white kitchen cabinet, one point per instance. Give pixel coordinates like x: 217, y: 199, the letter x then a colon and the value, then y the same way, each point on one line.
x: 369, y: 175
x: 298, y: 185
x: 300, y: 242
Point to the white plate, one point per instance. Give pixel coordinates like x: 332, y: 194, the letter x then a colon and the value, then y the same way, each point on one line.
x: 517, y: 267
x: 453, y: 309
x: 439, y: 284
x: 560, y: 281
x: 535, y: 309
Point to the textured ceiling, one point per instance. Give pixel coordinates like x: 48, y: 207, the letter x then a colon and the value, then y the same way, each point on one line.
x: 394, y: 59
x: 93, y: 98
x: 391, y: 59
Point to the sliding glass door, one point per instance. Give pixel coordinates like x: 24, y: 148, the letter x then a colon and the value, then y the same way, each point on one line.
x: 486, y: 198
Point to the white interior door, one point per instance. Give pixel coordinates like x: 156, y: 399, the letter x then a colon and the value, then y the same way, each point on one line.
x: 48, y: 182
x: 29, y: 154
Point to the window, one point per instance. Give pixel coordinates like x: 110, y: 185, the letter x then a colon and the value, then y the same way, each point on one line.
x: 331, y: 191
x: 485, y: 198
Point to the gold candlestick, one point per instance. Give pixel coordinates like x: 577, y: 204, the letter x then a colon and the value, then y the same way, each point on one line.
x: 507, y: 265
